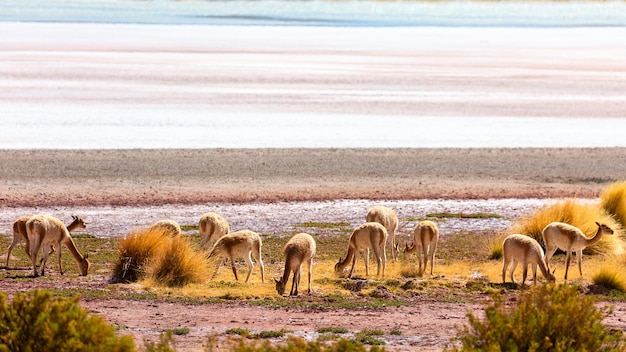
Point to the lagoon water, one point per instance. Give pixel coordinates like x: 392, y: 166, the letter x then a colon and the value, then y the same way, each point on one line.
x: 247, y: 74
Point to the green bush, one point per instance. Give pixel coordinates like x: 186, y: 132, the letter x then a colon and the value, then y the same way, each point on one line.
x: 547, y: 318
x: 37, y: 321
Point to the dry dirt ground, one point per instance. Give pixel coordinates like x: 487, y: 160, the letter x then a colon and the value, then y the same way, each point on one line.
x: 146, y: 177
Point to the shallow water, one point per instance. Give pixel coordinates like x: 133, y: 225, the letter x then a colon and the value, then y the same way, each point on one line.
x: 321, y: 13
x: 279, y: 218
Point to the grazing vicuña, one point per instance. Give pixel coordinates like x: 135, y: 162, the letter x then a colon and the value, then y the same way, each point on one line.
x: 388, y: 218
x: 169, y: 227
x: 526, y: 250
x: 45, y: 231
x: 300, y: 248
x: 212, y: 227
x: 425, y: 238
x: 241, y: 244
x: 370, y: 235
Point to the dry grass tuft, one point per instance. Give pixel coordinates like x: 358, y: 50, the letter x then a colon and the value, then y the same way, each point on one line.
x: 178, y: 264
x: 581, y: 215
x: 155, y: 255
x: 611, y: 277
x: 613, y: 201
x: 135, y: 251
x: 495, y: 247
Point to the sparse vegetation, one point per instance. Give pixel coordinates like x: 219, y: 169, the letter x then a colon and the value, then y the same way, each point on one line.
x: 332, y: 329
x: 464, y: 215
x: 366, y: 337
x: 547, y: 317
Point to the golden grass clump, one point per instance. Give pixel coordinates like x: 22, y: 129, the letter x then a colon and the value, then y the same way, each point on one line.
x: 155, y: 255
x: 135, y: 251
x: 613, y: 201
x: 178, y: 264
x: 611, y: 277
x: 576, y: 213
x: 495, y: 247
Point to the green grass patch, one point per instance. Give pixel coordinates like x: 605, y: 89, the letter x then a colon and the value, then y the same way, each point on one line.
x: 332, y: 329
x: 367, y: 337
x: 238, y: 331
x: 323, y: 225
x: 189, y: 227
x: 180, y: 331
x: 464, y: 215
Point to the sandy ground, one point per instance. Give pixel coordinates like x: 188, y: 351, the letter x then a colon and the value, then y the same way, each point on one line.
x: 146, y: 177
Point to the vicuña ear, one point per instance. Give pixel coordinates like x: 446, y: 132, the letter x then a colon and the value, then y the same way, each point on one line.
x: 86, y: 256
x: 597, y: 223
x: 277, y: 281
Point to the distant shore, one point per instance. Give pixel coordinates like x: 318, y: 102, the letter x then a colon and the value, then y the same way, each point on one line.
x: 174, y: 176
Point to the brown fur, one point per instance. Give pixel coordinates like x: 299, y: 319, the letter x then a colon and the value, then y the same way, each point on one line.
x: 241, y: 244
x: 45, y: 231
x: 425, y: 239
x: 212, y: 227
x: 370, y: 235
x: 300, y: 248
x: 169, y: 227
x: 523, y: 249
x: 388, y: 218
x: 558, y: 235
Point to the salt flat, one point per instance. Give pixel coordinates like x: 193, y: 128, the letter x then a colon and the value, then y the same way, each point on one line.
x: 191, y: 86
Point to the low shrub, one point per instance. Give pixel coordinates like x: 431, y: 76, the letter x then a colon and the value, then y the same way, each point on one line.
x: 581, y: 215
x: 547, y: 317
x: 37, y: 321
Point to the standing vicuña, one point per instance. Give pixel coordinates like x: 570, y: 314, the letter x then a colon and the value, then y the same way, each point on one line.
x: 19, y: 235
x: 570, y: 239
x: 45, y: 231
x: 425, y: 238
x: 212, y: 227
x: 526, y: 250
x: 300, y: 248
x: 168, y: 227
x: 241, y: 244
x: 370, y: 235
x: 388, y: 218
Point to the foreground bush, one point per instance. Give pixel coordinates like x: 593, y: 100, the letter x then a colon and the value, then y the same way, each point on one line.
x: 548, y: 317
x: 581, y: 215
x: 36, y: 321
x: 613, y: 201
